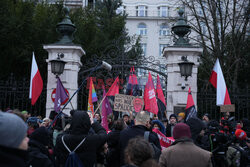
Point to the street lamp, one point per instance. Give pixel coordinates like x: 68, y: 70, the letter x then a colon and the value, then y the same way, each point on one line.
x: 57, y: 65
x: 186, y: 67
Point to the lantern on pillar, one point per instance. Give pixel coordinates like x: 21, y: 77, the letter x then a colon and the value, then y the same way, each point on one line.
x: 186, y: 67
x: 57, y: 65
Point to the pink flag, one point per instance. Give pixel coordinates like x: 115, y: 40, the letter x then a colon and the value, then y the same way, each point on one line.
x: 149, y: 96
x: 218, y: 81
x: 36, y: 82
x: 164, y: 141
x: 105, y: 110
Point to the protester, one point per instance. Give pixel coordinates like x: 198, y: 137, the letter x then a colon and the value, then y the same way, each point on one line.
x: 206, y: 118
x: 139, y: 153
x: 181, y: 117
x: 80, y: 128
x: 113, y: 158
x: 170, y: 127
x: 159, y: 125
x: 14, y: 141
x: 18, y: 113
x: 197, y: 128
x: 38, y: 149
x: 141, y: 122
x: 25, y: 114
x: 128, y: 119
x: 98, y: 117
x: 183, y: 151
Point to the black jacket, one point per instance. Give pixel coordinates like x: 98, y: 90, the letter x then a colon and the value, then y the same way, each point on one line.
x: 38, y: 155
x: 113, y: 155
x: 168, y: 130
x: 79, y: 130
x: 129, y: 133
x: 11, y: 157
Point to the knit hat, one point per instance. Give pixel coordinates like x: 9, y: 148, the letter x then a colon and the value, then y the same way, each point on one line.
x: 181, y: 114
x: 24, y: 112
x: 208, y: 115
x: 181, y: 130
x: 240, y: 134
x: 41, y: 135
x: 12, y: 130
x: 173, y: 115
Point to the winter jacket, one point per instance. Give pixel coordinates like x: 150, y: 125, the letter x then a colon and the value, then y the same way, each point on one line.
x: 184, y: 152
x: 38, y: 155
x: 169, y: 130
x: 11, y: 157
x: 80, y: 128
x: 129, y: 133
x: 113, y: 158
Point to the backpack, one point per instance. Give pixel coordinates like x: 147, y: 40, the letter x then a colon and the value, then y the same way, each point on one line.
x: 157, y: 151
x: 73, y: 160
x: 243, y: 160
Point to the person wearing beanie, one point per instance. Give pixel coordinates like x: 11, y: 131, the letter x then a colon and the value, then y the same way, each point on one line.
x: 170, y: 127
x: 183, y: 151
x: 206, y: 118
x: 234, y: 151
x: 181, y: 117
x: 159, y: 125
x: 38, y: 151
x: 13, y: 141
x: 79, y: 129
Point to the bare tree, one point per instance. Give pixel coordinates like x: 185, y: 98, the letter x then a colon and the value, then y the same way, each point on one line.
x: 220, y: 27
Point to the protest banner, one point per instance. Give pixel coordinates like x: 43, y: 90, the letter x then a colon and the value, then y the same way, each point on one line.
x: 125, y: 103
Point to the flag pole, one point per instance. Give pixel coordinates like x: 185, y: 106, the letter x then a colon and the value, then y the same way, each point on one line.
x: 100, y: 103
x: 61, y: 111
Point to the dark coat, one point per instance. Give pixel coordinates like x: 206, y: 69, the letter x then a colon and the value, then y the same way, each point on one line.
x: 79, y: 130
x: 11, y: 157
x: 129, y: 133
x: 168, y: 130
x: 113, y: 155
x: 38, y: 155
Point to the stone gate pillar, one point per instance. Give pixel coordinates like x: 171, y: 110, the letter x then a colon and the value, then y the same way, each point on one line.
x: 177, y: 87
x: 72, y: 56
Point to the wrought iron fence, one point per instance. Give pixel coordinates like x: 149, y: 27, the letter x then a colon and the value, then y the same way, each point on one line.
x: 206, y: 101
x: 14, y: 94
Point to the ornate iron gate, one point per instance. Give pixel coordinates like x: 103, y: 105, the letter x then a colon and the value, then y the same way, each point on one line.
x: 121, y: 62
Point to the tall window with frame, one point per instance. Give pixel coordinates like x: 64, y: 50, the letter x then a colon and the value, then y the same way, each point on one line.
x: 161, y: 46
x: 163, y: 11
x: 164, y: 30
x: 142, y: 29
x: 141, y: 11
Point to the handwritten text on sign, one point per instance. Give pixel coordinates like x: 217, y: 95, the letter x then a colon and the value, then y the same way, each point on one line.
x: 125, y: 103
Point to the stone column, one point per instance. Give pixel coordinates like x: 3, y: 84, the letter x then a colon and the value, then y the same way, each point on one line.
x: 177, y: 87
x: 72, y: 57
x: 69, y: 78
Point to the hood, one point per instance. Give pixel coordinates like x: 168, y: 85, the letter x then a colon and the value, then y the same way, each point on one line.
x: 196, y: 125
x: 80, y: 123
x: 41, y: 135
x: 160, y: 124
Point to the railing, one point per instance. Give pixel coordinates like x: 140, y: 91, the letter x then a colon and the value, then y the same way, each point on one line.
x: 14, y: 94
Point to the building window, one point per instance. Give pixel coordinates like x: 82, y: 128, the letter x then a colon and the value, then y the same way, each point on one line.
x: 144, y: 48
x: 120, y: 10
x: 141, y: 11
x: 161, y: 49
x: 163, y: 11
x: 164, y: 30
x: 142, y: 29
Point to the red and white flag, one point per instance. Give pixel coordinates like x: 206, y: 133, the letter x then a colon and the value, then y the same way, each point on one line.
x: 218, y: 81
x: 36, y: 82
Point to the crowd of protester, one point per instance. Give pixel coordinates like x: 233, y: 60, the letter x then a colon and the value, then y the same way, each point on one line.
x: 33, y: 141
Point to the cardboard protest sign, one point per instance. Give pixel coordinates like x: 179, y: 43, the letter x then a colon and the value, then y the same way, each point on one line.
x: 125, y: 103
x: 227, y: 108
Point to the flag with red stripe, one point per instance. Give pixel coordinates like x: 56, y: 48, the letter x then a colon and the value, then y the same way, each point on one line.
x: 190, y: 108
x: 36, y: 82
x: 218, y: 81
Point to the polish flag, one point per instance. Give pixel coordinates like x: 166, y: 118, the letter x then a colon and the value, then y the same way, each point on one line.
x: 36, y: 82
x: 218, y: 81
